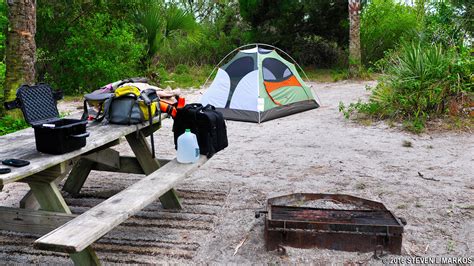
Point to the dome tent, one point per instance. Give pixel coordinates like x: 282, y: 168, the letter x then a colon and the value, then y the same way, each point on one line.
x: 258, y: 85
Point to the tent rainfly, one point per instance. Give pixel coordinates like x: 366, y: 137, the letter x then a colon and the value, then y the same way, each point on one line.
x: 258, y: 85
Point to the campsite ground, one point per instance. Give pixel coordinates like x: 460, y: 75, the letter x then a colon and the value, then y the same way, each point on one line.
x: 317, y: 151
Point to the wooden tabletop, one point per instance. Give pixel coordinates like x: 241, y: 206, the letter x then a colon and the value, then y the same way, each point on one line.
x: 21, y: 145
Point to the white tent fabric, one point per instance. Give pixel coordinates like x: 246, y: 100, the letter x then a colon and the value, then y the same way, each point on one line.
x: 220, y: 90
x: 245, y: 96
x: 249, y: 51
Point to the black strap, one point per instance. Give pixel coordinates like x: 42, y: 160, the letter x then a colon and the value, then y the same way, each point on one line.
x: 133, y: 80
x: 12, y: 104
x: 101, y: 114
x: 152, y: 140
x: 85, y: 114
x: 58, y: 95
x: 209, y: 107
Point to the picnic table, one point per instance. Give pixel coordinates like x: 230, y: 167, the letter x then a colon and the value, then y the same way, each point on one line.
x: 73, y: 234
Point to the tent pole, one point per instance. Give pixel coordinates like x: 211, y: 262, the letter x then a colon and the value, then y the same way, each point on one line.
x: 258, y: 86
x: 225, y: 57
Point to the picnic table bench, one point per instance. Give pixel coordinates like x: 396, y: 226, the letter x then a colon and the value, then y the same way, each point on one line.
x: 75, y: 234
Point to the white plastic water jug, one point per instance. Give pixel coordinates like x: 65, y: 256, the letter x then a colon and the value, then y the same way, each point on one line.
x: 188, y: 148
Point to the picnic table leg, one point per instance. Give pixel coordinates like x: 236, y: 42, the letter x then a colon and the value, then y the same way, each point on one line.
x: 142, y: 151
x: 29, y: 201
x: 82, y: 168
x: 50, y: 199
x: 78, y: 176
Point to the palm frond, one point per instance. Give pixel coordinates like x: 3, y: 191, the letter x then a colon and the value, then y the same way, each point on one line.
x: 164, y: 23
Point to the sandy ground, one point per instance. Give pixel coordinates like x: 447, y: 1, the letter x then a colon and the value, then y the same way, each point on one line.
x: 317, y: 151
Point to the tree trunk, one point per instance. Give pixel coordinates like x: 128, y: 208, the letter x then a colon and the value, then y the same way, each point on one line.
x: 20, y: 47
x: 354, y: 38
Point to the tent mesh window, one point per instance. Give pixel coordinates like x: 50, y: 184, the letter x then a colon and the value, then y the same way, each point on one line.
x: 240, y: 67
x: 274, y: 70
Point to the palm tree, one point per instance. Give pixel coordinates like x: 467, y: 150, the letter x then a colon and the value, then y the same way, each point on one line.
x: 20, y: 47
x: 354, y: 38
x: 163, y: 23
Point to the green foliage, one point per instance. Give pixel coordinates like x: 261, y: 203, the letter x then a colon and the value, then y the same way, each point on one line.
x: 384, y: 23
x: 84, y: 44
x: 442, y: 24
x: 3, y: 29
x: 295, y: 26
x: 9, y: 124
x: 217, y: 37
x: 98, y: 50
x: 465, y: 12
x: 417, y: 125
x: 315, y: 50
x: 182, y: 76
x: 164, y: 24
x: 426, y: 65
x: 418, y: 82
x: 370, y: 108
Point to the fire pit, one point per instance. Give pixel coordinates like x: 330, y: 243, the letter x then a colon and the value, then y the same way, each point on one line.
x: 331, y: 221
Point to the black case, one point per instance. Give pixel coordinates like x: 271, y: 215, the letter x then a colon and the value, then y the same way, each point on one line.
x: 38, y: 104
x: 204, y: 121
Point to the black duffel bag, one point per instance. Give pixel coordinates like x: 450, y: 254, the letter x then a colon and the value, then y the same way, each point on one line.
x: 206, y: 123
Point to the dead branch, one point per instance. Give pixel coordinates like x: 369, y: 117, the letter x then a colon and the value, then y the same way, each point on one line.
x: 427, y: 178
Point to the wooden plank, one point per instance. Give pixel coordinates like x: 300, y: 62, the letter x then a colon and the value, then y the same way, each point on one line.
x: 29, y: 201
x: 49, y: 174
x: 85, y: 257
x: 149, y: 130
x: 128, y: 165
x: 78, y: 176
x: 142, y: 151
x: 105, y: 146
x: 29, y: 221
x: 21, y: 145
x: 108, y: 157
x: 170, y: 200
x: 50, y: 199
x: 84, y: 230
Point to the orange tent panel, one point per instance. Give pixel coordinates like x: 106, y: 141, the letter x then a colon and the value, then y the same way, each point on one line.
x: 271, y: 85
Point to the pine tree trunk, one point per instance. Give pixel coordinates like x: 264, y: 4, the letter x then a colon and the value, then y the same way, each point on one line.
x: 354, y: 38
x: 20, y: 47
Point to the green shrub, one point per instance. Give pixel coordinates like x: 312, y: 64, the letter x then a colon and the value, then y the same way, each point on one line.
x: 418, y: 82
x: 181, y: 69
x: 183, y: 76
x: 384, y: 23
x: 215, y: 42
x: 98, y: 50
x: 442, y: 25
x: 317, y: 51
x: 9, y: 124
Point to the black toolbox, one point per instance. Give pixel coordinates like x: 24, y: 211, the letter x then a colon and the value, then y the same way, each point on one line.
x: 53, y: 135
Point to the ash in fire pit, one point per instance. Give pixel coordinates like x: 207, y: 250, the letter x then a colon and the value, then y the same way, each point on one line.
x: 331, y: 204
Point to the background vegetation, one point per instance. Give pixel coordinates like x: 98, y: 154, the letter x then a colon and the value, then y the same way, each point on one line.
x: 424, y: 50
x: 427, y: 67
